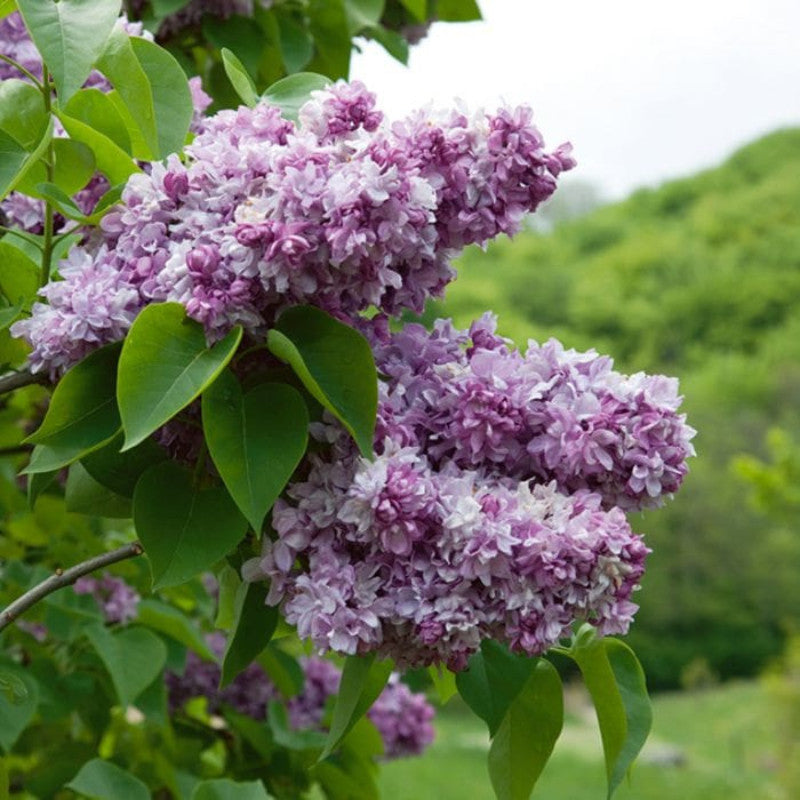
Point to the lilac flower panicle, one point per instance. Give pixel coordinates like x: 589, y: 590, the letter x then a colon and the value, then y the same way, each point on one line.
x: 342, y: 211
x: 118, y: 600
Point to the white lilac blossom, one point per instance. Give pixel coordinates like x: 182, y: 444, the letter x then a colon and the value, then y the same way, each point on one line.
x: 402, y: 717
x: 494, y: 507
x: 118, y: 600
x: 341, y: 211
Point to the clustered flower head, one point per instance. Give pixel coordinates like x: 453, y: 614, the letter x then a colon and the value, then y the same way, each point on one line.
x: 118, y: 601
x: 402, y: 717
x: 494, y: 507
x: 340, y: 210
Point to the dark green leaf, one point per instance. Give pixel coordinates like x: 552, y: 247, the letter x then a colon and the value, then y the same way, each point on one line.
x: 283, y: 670
x: 363, y: 679
x: 328, y: 26
x: 239, y: 78
x: 164, y: 365
x: 120, y: 472
x: 184, y: 529
x: 17, y: 706
x: 22, y: 112
x: 236, y: 33
x: 526, y: 736
x: 102, y: 780
x: 286, y: 736
x: 493, y: 678
x: 254, y: 624
x: 297, y: 46
x: 289, y: 94
x: 70, y: 35
x: 225, y: 789
x: 84, y: 495
x: 111, y: 159
x: 82, y: 415
x: 134, y: 658
x: 616, y: 684
x: 255, y: 440
x: 391, y: 41
x: 363, y: 14
x: 165, y: 619
x: 335, y: 364
x: 255, y: 732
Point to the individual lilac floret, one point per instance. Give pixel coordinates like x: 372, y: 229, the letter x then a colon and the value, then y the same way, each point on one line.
x: 341, y: 211
x: 118, y: 600
x: 403, y: 719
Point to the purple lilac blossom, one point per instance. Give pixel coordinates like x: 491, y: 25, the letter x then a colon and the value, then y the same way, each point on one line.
x: 402, y: 717
x: 341, y: 211
x: 118, y: 600
x: 466, y: 525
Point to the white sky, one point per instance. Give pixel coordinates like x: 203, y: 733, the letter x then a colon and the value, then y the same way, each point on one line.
x: 645, y: 91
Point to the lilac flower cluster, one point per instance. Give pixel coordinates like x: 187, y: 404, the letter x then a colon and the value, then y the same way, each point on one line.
x: 494, y: 507
x: 402, y: 717
x: 340, y: 211
x: 118, y: 600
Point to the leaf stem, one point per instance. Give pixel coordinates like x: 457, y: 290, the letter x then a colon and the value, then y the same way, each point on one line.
x: 22, y: 69
x: 49, y: 212
x: 66, y: 577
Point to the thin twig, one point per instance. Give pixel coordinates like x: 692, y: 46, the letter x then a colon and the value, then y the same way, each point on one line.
x: 16, y: 380
x: 16, y: 449
x: 66, y: 577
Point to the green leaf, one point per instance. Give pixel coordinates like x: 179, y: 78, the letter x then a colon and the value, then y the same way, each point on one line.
x: 74, y: 164
x: 283, y: 670
x: 290, y: 93
x: 23, y: 115
x: 164, y: 365
x: 363, y: 14
x: 335, y: 364
x: 102, y: 780
x: 111, y: 159
x: 444, y: 682
x: 134, y: 658
x: 8, y: 315
x: 256, y: 440
x: 184, y: 529
x: 492, y: 680
x: 16, y: 161
x: 297, y: 46
x: 18, y: 706
x: 225, y: 789
x: 61, y: 201
x: 286, y: 736
x: 526, y: 736
x: 38, y: 483
x: 363, y: 679
x: 391, y: 41
x: 165, y: 619
x: 254, y: 624
x: 239, y: 33
x: 120, y: 472
x: 616, y: 683
x: 70, y: 35
x: 154, y: 89
x: 417, y: 8
x: 457, y: 10
x: 84, y: 495
x: 239, y: 78
x: 19, y: 274
x: 83, y: 413
x: 327, y: 22
x: 228, y: 583
x: 255, y: 732
x: 97, y: 109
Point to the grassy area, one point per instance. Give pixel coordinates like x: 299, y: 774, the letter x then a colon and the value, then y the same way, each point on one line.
x: 724, y: 737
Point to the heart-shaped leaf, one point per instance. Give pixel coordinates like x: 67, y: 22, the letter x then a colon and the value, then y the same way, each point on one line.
x: 134, y: 657
x: 184, y: 528
x: 165, y: 364
x: 255, y: 440
x: 102, y: 780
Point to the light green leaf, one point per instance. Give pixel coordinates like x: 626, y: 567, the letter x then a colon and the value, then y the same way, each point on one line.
x: 19, y: 274
x: 164, y: 365
x: 8, y: 315
x: 290, y: 93
x: 16, y: 161
x: 616, y: 683
x: 417, y: 8
x: 444, y: 682
x: 335, y: 364
x: 363, y: 14
x: 363, y: 679
x: 526, y: 736
x: 134, y: 658
x: 225, y: 789
x: 165, y: 619
x: 255, y: 440
x: 239, y: 78
x: 254, y: 624
x: 83, y: 413
x: 74, y: 164
x: 61, y: 201
x: 22, y: 112
x: 492, y: 680
x: 102, y: 780
x: 97, y: 109
x: 184, y: 529
x: 17, y: 707
x: 457, y: 10
x: 70, y: 35
x: 84, y: 495
x: 111, y: 159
